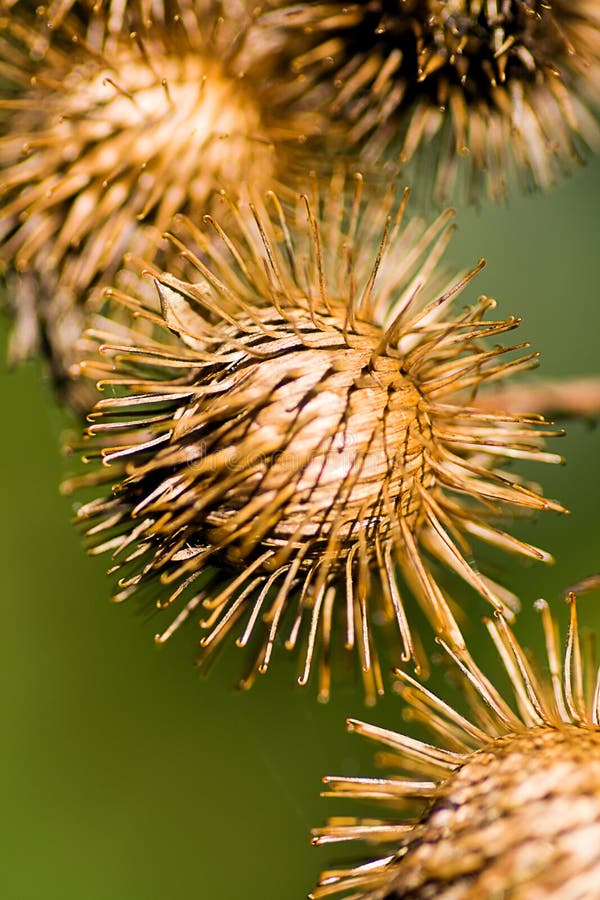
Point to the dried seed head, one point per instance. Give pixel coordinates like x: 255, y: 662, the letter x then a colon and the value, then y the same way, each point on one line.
x: 104, y: 144
x: 309, y: 431
x: 507, y: 803
x: 508, y: 85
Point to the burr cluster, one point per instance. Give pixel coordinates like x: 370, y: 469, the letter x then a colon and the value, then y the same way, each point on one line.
x: 204, y: 230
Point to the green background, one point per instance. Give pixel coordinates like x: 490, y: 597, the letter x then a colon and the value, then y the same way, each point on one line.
x: 126, y: 776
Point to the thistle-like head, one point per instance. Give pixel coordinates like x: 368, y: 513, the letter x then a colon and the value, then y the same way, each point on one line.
x: 504, y: 802
x: 474, y: 89
x: 300, y: 427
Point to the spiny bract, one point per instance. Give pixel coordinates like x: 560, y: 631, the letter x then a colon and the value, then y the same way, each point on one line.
x: 308, y: 431
x: 511, y: 85
x: 105, y: 140
x: 507, y: 803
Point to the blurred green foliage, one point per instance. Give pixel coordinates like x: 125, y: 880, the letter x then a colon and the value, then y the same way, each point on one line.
x: 125, y: 776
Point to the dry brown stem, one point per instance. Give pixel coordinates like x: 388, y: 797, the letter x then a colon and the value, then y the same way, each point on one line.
x: 554, y: 398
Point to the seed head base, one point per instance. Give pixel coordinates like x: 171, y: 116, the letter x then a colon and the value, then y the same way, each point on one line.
x: 308, y: 432
x: 472, y: 88
x: 503, y: 802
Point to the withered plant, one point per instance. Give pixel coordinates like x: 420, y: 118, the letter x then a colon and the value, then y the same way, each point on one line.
x: 504, y: 802
x: 309, y: 432
x: 478, y: 90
